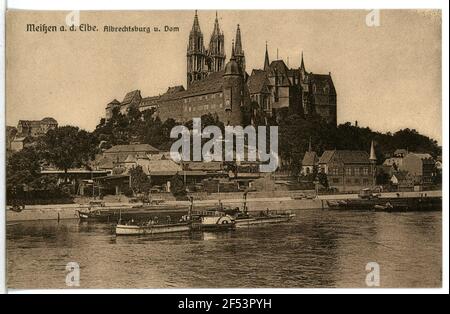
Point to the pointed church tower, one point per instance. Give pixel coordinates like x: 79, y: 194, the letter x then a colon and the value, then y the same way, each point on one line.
x: 238, y: 51
x: 302, y: 69
x: 216, y: 49
x: 266, y: 60
x: 196, y: 55
x: 373, y: 157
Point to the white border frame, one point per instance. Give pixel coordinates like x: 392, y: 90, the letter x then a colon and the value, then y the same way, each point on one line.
x: 229, y: 5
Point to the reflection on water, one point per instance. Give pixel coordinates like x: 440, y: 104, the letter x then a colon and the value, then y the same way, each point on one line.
x: 317, y: 249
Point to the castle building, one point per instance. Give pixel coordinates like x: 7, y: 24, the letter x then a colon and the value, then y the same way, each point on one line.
x: 226, y: 90
x: 276, y: 87
x: 35, y: 128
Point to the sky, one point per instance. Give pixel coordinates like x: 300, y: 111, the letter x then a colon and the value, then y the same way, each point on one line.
x: 387, y: 77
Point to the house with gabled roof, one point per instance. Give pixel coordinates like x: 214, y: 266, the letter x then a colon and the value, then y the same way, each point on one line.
x: 347, y: 170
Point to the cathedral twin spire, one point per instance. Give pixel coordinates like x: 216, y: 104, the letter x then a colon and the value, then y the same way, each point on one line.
x: 201, y: 62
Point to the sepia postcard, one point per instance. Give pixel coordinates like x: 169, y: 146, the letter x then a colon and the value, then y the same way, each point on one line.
x: 224, y: 149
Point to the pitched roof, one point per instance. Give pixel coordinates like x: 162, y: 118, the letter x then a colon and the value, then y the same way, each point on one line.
x: 279, y: 66
x: 165, y: 165
x: 113, y: 103
x: 326, y: 156
x: 257, y: 82
x: 211, y: 84
x: 132, y: 148
x: 322, y: 81
x: 130, y: 96
x: 173, y: 89
x: 149, y: 101
x: 203, y: 166
x: 345, y: 156
x: 310, y: 159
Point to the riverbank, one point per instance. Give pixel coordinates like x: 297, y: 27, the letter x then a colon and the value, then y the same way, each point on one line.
x: 258, y: 203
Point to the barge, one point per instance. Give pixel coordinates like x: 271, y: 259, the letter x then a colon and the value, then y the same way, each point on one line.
x: 389, y: 204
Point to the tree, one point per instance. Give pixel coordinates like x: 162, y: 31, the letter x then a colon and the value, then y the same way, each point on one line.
x: 177, y: 186
x: 140, y: 182
x: 68, y: 147
x: 22, y: 169
x: 382, y: 177
x: 323, y: 179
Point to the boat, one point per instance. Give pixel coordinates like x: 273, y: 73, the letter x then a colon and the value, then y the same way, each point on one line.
x: 206, y: 220
x: 212, y: 221
x: 389, y: 204
x: 131, y: 229
x: 242, y: 217
x: 137, y: 212
x: 264, y: 218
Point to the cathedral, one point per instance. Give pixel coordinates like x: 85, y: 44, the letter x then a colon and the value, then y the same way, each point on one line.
x: 224, y: 87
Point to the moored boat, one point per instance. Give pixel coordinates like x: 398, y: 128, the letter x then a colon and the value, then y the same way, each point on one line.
x: 212, y: 221
x: 125, y: 229
x: 389, y: 204
x: 264, y: 218
x: 242, y: 218
x: 138, y: 212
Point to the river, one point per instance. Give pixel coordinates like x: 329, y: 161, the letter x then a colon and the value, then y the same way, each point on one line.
x: 319, y: 249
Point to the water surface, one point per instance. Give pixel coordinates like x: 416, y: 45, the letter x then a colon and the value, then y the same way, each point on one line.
x: 318, y: 249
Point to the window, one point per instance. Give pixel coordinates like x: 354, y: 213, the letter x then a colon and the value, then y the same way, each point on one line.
x: 335, y: 180
x: 366, y: 171
x: 356, y: 171
x: 348, y: 171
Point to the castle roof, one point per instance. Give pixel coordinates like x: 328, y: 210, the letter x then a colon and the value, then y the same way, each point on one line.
x: 232, y: 67
x: 321, y: 81
x: 211, y: 84
x: 257, y: 82
x: 130, y: 96
x: 113, y: 103
x: 174, y: 89
x: 279, y: 66
x: 49, y: 120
